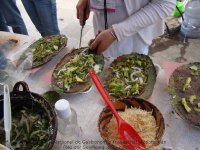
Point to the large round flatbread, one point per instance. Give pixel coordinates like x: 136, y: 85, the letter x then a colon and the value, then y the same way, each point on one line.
x: 144, y: 92
x: 80, y: 87
x: 44, y: 45
x: 175, y: 88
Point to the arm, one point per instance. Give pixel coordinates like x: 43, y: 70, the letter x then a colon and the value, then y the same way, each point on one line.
x: 151, y: 13
x: 155, y: 11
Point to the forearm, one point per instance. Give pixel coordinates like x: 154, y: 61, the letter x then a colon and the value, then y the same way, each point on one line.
x: 155, y: 11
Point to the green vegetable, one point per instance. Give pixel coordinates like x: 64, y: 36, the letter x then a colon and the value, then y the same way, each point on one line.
x: 46, y: 47
x: 198, y: 105
x: 78, y: 79
x: 129, y: 77
x: 51, y: 96
x: 184, y: 103
x: 194, y: 67
x: 194, y: 70
x: 179, y: 78
x: 76, y: 71
x: 195, y: 73
x: 192, y: 98
x: 187, y: 84
x: 197, y: 108
x: 30, y: 130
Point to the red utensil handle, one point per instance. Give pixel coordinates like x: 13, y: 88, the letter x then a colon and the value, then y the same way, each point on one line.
x: 102, y: 91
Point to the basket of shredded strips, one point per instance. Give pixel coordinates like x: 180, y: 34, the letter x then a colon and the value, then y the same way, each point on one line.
x: 143, y: 116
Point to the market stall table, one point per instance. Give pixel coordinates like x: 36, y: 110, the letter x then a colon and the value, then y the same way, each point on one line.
x: 179, y: 135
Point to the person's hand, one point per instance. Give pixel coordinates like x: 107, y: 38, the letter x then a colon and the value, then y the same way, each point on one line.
x: 82, y: 11
x: 103, y: 40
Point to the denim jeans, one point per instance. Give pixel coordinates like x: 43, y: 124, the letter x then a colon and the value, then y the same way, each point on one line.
x: 3, y: 25
x: 11, y: 13
x: 43, y: 14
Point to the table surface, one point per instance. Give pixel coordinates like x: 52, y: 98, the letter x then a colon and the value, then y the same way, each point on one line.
x: 179, y: 135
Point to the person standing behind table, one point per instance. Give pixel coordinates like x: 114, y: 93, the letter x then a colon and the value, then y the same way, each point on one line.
x: 43, y: 14
x: 10, y: 16
x: 132, y: 24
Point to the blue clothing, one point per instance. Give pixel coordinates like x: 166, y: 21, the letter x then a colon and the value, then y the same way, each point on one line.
x: 3, y: 25
x: 3, y: 60
x: 10, y: 16
x: 43, y: 14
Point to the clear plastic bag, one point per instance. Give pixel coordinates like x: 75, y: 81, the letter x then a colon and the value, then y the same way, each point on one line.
x: 10, y: 73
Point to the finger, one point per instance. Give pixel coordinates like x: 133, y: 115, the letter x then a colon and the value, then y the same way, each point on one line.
x: 87, y: 12
x: 98, y: 33
x: 100, y: 49
x: 95, y: 43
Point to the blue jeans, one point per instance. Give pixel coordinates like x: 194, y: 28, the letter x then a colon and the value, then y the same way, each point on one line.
x: 43, y: 14
x: 3, y: 24
x: 11, y: 13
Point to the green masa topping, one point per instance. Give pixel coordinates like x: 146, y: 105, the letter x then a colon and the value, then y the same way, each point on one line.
x: 76, y: 70
x: 194, y: 70
x: 187, y: 84
x: 46, y: 47
x: 129, y: 76
x: 192, y: 98
x: 197, y: 108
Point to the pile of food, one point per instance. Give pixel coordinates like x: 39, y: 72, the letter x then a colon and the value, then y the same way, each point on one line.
x: 71, y: 74
x: 131, y: 75
x: 44, y: 49
x: 142, y: 121
x: 30, y: 130
x: 184, y: 85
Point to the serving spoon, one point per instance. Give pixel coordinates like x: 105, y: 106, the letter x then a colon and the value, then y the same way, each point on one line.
x: 126, y: 131
x: 7, y: 116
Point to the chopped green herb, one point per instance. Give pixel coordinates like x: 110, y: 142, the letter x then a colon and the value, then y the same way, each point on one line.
x: 76, y: 70
x: 46, y: 47
x: 129, y: 77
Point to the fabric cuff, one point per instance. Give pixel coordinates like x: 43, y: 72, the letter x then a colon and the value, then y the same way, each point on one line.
x: 117, y: 31
x: 123, y: 31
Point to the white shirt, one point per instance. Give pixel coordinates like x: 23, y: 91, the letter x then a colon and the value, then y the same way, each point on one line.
x: 136, y: 23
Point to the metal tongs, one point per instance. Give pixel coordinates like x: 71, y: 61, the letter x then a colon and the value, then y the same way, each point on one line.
x: 7, y: 115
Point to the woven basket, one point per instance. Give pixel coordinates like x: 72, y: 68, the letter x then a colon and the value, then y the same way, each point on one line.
x: 120, y: 105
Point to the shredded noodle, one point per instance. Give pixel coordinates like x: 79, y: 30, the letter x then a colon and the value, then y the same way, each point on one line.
x: 142, y: 121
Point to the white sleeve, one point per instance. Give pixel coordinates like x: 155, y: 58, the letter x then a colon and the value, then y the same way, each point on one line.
x: 154, y: 11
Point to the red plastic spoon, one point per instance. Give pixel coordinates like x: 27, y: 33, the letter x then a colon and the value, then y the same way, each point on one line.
x: 127, y: 133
